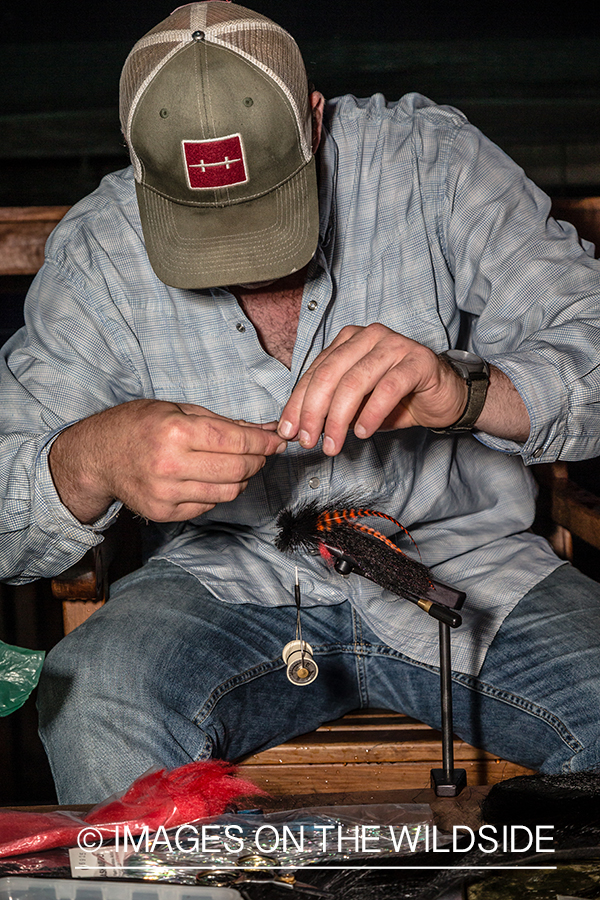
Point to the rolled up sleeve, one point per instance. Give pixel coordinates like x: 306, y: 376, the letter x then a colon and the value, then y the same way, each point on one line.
x: 532, y: 289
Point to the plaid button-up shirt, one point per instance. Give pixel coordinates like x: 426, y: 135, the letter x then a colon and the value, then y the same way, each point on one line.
x: 426, y: 227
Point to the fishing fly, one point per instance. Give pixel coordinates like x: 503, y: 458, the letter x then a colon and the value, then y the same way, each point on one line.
x: 335, y: 530
x: 353, y: 546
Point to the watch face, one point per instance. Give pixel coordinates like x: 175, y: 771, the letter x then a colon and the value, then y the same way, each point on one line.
x: 470, y: 361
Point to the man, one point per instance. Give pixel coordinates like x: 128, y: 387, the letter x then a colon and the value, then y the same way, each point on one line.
x: 218, y: 334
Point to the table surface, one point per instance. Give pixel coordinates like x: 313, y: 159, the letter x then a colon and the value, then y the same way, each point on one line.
x: 447, y: 811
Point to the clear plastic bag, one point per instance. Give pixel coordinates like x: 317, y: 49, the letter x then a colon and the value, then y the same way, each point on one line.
x: 19, y: 673
x: 285, y: 839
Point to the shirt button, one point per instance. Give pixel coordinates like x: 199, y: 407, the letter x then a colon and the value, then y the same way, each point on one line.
x: 240, y: 327
x: 537, y: 453
x: 314, y: 482
x: 312, y: 304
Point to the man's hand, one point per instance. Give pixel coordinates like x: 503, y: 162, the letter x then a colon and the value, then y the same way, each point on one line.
x: 373, y: 379
x: 165, y: 461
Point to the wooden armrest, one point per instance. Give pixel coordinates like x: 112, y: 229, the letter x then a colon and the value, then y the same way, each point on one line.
x: 566, y: 509
x: 83, y: 588
x: 578, y: 510
x: 79, y: 581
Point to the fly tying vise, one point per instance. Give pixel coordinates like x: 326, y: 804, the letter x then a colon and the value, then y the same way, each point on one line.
x: 351, y: 546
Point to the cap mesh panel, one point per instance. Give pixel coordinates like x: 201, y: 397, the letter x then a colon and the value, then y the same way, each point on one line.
x: 236, y: 27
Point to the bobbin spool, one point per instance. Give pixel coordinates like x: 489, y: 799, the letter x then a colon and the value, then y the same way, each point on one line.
x: 301, y: 667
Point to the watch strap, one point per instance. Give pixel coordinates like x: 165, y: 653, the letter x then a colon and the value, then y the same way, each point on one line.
x: 477, y: 384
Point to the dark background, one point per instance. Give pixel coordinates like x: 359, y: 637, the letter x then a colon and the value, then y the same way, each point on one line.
x: 528, y: 74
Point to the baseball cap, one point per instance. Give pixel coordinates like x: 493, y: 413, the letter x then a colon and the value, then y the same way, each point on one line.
x: 214, y: 106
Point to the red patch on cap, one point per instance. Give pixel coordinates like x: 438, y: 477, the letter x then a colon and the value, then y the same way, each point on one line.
x: 215, y: 163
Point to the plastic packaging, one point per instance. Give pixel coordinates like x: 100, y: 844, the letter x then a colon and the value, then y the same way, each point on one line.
x: 19, y: 673
x: 282, y: 840
x: 49, y: 863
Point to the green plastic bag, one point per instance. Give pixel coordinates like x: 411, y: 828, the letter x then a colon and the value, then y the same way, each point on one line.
x: 19, y: 673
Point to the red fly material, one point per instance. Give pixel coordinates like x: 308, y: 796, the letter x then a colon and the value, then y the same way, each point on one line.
x: 326, y: 554
x: 309, y: 527
x: 159, y: 798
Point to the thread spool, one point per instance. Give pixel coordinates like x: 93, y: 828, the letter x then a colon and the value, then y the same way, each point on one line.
x: 301, y: 667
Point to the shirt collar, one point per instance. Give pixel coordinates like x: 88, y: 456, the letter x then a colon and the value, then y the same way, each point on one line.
x: 327, y: 162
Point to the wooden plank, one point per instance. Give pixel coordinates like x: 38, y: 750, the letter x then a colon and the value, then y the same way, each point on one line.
x: 306, y: 779
x: 583, y: 213
x: 577, y: 510
x: 363, y: 746
x: 23, y: 235
x: 32, y: 213
x: 383, y: 719
x: 79, y: 581
x: 566, y: 509
x: 75, y: 612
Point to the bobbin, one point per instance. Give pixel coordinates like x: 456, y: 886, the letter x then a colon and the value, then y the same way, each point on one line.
x: 301, y: 667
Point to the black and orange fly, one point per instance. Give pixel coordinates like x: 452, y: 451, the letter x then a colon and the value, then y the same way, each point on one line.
x: 334, y: 531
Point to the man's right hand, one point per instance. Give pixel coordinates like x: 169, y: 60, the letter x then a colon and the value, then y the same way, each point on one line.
x: 166, y: 461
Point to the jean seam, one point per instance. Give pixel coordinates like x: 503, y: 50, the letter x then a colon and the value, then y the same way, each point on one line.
x: 567, y: 766
x: 501, y: 695
x: 206, y: 752
x: 521, y: 703
x: 359, y: 659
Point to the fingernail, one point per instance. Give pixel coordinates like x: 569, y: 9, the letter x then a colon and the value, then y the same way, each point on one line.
x: 328, y: 446
x: 360, y: 431
x: 281, y: 447
x: 286, y: 429
x: 304, y: 438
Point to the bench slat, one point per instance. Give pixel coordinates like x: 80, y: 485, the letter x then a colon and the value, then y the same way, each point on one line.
x: 348, y: 753
x: 280, y: 779
x: 360, y: 746
x: 375, y: 719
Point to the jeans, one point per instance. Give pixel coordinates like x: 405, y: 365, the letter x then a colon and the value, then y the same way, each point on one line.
x: 165, y: 674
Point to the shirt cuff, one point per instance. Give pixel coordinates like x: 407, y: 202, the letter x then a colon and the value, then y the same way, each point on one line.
x: 52, y: 516
x: 546, y: 398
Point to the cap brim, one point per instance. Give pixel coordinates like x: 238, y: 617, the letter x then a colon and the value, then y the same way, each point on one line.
x: 258, y: 240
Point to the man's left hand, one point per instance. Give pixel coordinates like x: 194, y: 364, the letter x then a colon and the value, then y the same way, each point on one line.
x: 372, y: 379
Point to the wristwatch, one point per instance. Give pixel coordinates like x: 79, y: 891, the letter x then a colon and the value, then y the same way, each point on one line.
x: 476, y: 372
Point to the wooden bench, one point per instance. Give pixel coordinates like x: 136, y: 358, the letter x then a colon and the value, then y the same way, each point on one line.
x: 371, y: 749
x: 368, y: 750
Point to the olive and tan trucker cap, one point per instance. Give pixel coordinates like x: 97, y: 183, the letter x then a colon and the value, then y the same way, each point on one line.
x: 216, y: 113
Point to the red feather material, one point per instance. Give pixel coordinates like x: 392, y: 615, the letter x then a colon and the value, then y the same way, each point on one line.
x: 166, y: 798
